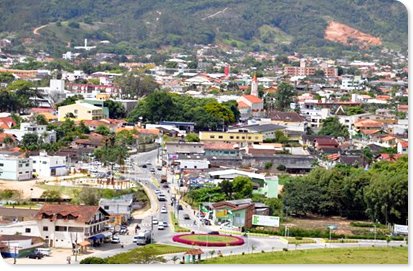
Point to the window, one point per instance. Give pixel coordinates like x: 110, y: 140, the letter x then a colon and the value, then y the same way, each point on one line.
x: 231, y: 137
x: 60, y: 228
x: 75, y: 111
x: 212, y: 136
x: 34, y: 161
x: 45, y: 228
x: 195, y: 167
x: 220, y: 137
x: 237, y: 137
x: 249, y: 137
x: 106, y: 207
x: 27, y: 172
x: 27, y: 230
x: 1, y: 165
x: 89, y: 112
x: 243, y: 137
x: 20, y: 172
x: 44, y: 162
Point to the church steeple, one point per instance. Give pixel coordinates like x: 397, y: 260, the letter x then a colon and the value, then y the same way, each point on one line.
x: 254, y: 86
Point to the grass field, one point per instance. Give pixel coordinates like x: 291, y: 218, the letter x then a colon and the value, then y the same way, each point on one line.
x: 370, y: 255
x: 159, y: 249
x: 210, y: 238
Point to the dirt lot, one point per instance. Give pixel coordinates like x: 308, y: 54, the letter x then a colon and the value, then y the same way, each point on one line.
x: 322, y: 223
x: 344, y: 34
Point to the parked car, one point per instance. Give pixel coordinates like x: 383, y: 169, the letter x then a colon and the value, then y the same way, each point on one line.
x: 213, y: 233
x: 115, y: 240
x: 159, y: 168
x: 207, y: 222
x: 44, y: 251
x: 186, y: 217
x: 144, y: 166
x: 165, y: 186
x: 154, y: 221
x: 157, y: 191
x: 35, y: 255
x: 160, y: 226
x: 165, y: 224
x: 180, y: 207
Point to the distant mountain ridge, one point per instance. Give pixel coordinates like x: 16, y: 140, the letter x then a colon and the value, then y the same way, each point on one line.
x: 254, y: 24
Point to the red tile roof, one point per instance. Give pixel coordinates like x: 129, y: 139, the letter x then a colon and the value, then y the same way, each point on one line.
x: 7, y: 122
x: 386, y: 156
x: 368, y: 123
x: 219, y: 146
x: 326, y: 141
x: 242, y: 105
x: 405, y: 144
x: 81, y: 213
x: 252, y: 98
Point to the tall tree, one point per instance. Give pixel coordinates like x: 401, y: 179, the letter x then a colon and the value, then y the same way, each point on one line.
x: 284, y: 96
x: 332, y: 127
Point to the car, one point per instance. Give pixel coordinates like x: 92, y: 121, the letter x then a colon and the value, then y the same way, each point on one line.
x: 161, y: 227
x: 35, y: 255
x: 115, y: 240
x: 161, y: 197
x: 207, y: 222
x: 144, y: 166
x: 180, y: 207
x: 213, y: 233
x: 152, y: 170
x: 159, y: 168
x: 157, y: 191
x: 165, y: 186
x: 186, y: 217
x: 165, y: 224
x: 44, y: 251
x: 163, y: 210
x: 148, y: 164
x: 154, y: 221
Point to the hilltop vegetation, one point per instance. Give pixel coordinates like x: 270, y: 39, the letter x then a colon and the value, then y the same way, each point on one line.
x: 255, y: 24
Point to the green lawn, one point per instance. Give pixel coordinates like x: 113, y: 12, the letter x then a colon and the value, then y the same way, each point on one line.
x: 159, y: 249
x: 210, y: 238
x: 367, y: 255
x: 177, y: 228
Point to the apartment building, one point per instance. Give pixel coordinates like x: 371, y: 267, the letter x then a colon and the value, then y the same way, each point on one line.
x: 80, y: 111
x: 15, y: 168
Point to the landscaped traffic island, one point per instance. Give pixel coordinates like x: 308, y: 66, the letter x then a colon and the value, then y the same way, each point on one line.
x: 208, y: 240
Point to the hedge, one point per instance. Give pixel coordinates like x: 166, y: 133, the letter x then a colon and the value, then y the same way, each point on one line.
x: 339, y: 241
x: 318, y: 233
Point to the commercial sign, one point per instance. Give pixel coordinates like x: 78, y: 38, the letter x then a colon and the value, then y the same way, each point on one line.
x: 401, y: 229
x: 263, y: 220
x: 221, y: 213
x: 173, y: 156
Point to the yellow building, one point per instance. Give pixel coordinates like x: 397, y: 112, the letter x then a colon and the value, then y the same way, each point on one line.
x: 80, y: 111
x: 242, y: 138
x: 103, y: 96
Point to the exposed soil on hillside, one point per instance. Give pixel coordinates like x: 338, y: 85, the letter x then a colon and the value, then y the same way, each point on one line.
x: 347, y: 35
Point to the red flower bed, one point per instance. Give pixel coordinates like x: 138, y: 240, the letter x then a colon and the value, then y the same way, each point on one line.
x: 179, y: 239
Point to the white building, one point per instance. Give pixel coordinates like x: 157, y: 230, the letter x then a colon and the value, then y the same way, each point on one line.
x: 48, y: 166
x: 351, y: 82
x: 31, y: 128
x: 15, y: 168
x: 193, y: 163
x: 118, y: 206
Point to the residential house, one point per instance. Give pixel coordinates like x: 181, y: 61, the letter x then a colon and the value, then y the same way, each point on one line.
x: 6, y: 123
x: 31, y: 128
x: 403, y: 147
x: 17, y: 214
x: 291, y: 120
x: 5, y: 145
x: 18, y: 246
x: 238, y: 212
x: 327, y: 145
x: 80, y: 111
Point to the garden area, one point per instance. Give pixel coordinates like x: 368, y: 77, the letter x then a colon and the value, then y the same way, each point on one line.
x: 208, y: 240
x: 175, y: 224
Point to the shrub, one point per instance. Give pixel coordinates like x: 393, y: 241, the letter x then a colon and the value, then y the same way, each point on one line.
x: 74, y: 25
x: 268, y: 165
x: 262, y: 251
x: 298, y: 238
x: 285, y: 249
x: 93, y: 260
x: 281, y: 168
x: 243, y: 253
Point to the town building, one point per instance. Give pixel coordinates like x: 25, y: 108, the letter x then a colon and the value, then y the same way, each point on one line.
x: 15, y: 168
x: 250, y: 106
x: 32, y: 128
x: 182, y: 147
x: 240, y: 138
x: 47, y: 166
x: 351, y: 82
x: 266, y: 130
x: 221, y: 149
x: 119, y: 208
x: 65, y: 225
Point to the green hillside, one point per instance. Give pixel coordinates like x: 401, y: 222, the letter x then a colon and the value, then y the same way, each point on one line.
x: 275, y: 25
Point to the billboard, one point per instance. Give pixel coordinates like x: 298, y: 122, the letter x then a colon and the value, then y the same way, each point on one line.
x: 401, y: 229
x: 263, y: 220
x: 221, y: 213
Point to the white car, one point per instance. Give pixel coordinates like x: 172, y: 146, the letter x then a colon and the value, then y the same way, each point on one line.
x: 163, y: 210
x: 157, y: 191
x: 165, y: 224
x: 115, y: 240
x: 155, y: 221
x: 160, y: 226
x: 135, y: 239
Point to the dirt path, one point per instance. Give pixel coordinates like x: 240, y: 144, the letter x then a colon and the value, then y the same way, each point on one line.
x: 36, y: 30
x: 215, y: 14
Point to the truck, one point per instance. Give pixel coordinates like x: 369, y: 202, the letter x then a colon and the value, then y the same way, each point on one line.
x: 143, y: 237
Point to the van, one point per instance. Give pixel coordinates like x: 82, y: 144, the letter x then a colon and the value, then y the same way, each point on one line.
x: 44, y: 251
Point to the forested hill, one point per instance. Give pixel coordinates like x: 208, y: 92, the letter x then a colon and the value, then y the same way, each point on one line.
x: 256, y: 24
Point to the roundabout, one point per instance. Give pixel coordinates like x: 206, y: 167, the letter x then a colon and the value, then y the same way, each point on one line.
x: 208, y: 240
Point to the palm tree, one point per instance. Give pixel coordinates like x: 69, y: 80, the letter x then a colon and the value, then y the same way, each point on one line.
x: 175, y: 258
x: 212, y: 252
x: 366, y: 156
